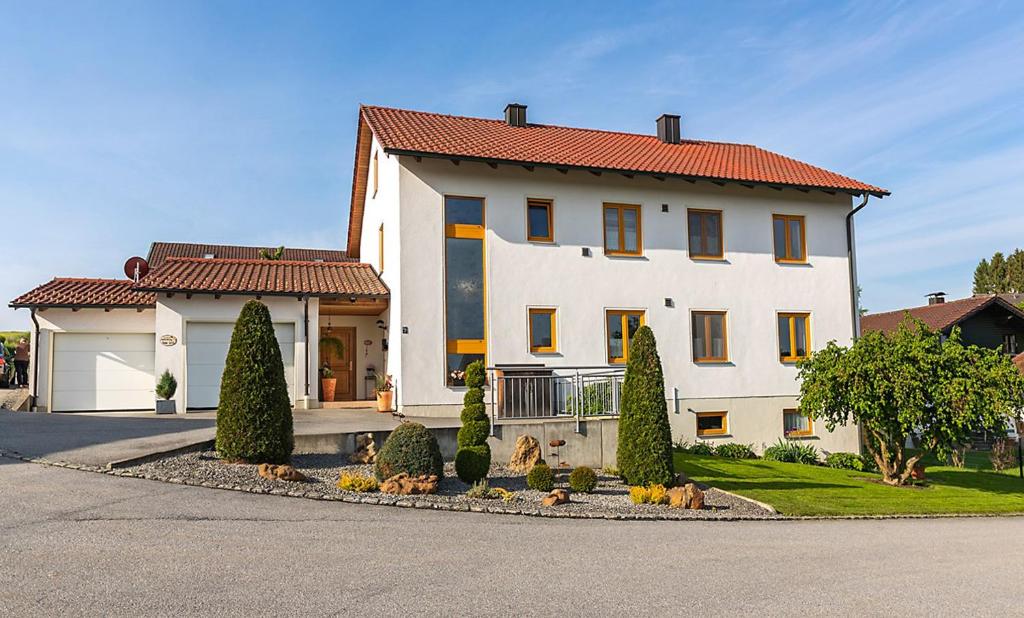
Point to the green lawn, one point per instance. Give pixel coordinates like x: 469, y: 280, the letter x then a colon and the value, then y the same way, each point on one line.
x: 796, y: 489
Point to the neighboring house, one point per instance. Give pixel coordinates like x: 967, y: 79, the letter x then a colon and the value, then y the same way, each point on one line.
x: 985, y: 320
x: 540, y: 250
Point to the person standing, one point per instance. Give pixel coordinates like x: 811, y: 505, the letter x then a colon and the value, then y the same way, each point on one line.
x: 21, y: 356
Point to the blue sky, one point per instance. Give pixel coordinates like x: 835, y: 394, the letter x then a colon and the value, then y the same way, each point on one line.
x: 127, y: 122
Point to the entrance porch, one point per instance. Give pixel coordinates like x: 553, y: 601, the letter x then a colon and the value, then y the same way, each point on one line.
x: 351, y: 336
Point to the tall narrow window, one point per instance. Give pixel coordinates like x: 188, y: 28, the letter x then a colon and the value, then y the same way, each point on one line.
x: 380, y: 248
x: 622, y: 231
x: 542, y: 331
x: 540, y: 226
x: 790, y: 238
x: 465, y: 285
x: 709, y: 337
x: 796, y: 425
x: 705, y: 232
x: 375, y: 174
x: 1010, y: 344
x: 712, y: 424
x: 793, y: 336
x: 622, y: 325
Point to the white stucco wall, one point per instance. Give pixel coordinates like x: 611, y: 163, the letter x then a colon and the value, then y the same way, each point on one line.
x: 383, y: 208
x: 82, y: 321
x: 749, y: 284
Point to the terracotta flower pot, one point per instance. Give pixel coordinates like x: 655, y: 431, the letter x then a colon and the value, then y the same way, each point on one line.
x: 385, y: 401
x: 329, y: 386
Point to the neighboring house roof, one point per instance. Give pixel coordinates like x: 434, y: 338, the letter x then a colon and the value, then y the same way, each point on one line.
x: 939, y: 316
x: 483, y: 139
x: 160, y: 251
x: 1019, y: 361
x: 75, y: 293
x: 264, y: 277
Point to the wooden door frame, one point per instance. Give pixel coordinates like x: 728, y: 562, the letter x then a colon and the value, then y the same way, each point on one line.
x: 352, y: 354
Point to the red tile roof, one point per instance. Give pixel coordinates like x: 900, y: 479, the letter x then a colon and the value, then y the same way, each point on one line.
x: 267, y: 277
x: 160, y: 251
x: 72, y: 292
x: 411, y: 132
x: 938, y: 317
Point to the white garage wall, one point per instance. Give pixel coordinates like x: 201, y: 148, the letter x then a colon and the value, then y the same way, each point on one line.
x: 83, y: 321
x: 173, y: 314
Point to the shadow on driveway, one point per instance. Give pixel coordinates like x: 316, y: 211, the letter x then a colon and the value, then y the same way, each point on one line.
x: 98, y: 440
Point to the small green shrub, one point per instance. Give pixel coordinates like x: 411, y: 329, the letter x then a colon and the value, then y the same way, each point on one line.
x: 697, y: 448
x: 481, y: 491
x: 473, y: 457
x: 733, y: 450
x: 611, y: 471
x: 412, y: 449
x: 166, y: 386
x: 357, y: 482
x: 791, y: 452
x: 652, y: 494
x: 541, y: 478
x: 845, y: 461
x: 583, y: 480
x: 473, y: 462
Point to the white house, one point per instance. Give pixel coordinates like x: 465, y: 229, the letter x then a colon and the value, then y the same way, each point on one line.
x: 538, y: 249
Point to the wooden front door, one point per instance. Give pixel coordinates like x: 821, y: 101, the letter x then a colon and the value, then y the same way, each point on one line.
x: 340, y: 357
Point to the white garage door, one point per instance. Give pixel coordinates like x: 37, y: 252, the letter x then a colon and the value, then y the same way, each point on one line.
x: 207, y: 346
x: 103, y: 372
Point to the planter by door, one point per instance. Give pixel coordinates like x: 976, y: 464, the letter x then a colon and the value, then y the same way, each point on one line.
x: 329, y: 385
x: 385, y: 401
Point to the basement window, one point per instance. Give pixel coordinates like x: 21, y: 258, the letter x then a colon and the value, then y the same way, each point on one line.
x: 712, y: 424
x: 796, y: 425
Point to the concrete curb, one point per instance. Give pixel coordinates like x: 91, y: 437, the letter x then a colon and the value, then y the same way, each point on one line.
x: 134, y: 461
x: 411, y: 502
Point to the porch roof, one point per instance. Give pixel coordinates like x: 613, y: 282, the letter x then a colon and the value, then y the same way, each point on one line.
x: 265, y: 277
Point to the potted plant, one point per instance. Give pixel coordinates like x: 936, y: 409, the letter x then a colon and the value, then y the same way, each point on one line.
x: 328, y: 383
x: 385, y: 393
x: 165, y: 389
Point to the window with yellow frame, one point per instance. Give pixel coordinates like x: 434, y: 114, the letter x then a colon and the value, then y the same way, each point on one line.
x: 712, y: 424
x: 465, y: 286
x: 622, y: 324
x: 543, y: 335
x: 796, y: 425
x: 623, y: 234
x: 794, y: 336
x: 790, y: 239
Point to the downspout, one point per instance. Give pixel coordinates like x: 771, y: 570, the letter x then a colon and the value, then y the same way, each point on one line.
x: 305, y: 333
x: 35, y: 363
x: 854, y: 305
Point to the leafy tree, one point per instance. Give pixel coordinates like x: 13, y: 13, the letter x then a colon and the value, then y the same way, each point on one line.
x: 473, y: 457
x: 254, y: 417
x: 645, y: 438
x: 910, y: 381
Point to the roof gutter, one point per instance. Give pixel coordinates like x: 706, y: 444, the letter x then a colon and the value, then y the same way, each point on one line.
x: 854, y: 301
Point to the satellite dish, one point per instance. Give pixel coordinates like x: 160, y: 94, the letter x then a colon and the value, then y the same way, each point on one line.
x: 136, y: 268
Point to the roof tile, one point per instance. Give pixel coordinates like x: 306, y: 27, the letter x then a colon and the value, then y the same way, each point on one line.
x: 939, y: 316
x: 77, y: 292
x: 160, y: 251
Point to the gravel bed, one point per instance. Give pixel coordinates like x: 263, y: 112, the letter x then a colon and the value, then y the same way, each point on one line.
x: 609, y: 500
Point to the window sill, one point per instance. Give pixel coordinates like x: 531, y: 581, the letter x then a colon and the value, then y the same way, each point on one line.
x: 540, y: 241
x: 792, y: 361
x: 809, y: 436
x: 713, y: 436
x: 723, y: 361
x: 709, y: 258
x: 627, y: 256
x: 548, y: 354
x: 793, y: 263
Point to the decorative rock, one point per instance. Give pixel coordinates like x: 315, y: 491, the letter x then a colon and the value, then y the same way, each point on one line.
x: 366, y: 450
x: 280, y: 473
x: 557, y: 496
x: 526, y: 455
x: 556, y: 443
x: 688, y: 496
x: 405, y: 485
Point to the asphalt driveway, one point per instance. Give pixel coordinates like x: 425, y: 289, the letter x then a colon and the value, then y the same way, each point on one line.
x: 80, y: 543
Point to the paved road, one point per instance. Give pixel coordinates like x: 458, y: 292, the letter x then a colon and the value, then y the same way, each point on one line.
x: 82, y: 543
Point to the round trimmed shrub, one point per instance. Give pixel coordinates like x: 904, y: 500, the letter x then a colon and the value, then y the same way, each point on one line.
x: 412, y: 449
x: 254, y: 416
x: 473, y: 461
x: 644, y: 453
x: 845, y: 461
x: 583, y: 480
x: 541, y: 478
x: 476, y: 461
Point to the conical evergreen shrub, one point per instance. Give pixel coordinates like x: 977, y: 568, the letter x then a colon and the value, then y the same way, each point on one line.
x: 645, y: 438
x: 254, y: 417
x: 473, y: 458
